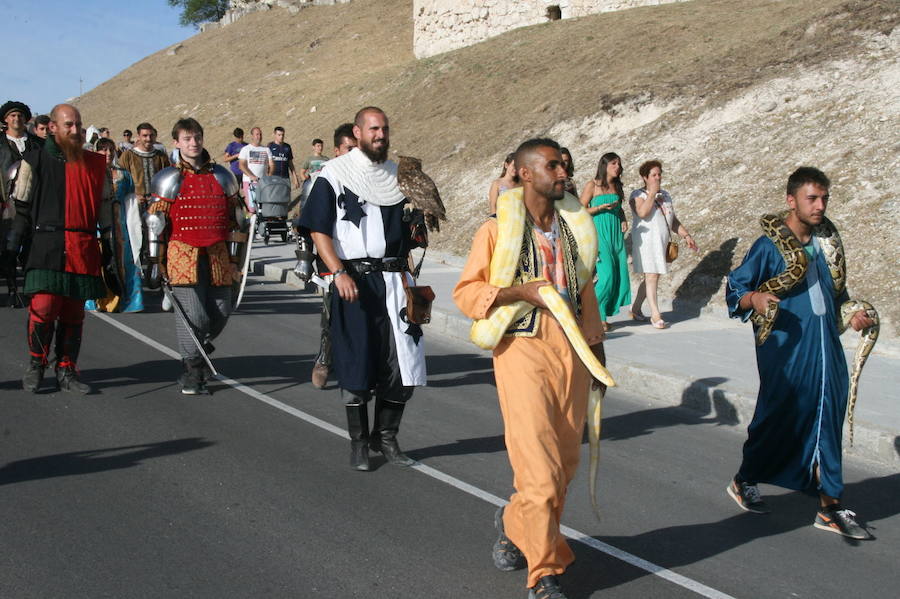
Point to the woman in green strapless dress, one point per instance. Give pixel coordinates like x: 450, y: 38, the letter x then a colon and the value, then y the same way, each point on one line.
x: 603, y: 199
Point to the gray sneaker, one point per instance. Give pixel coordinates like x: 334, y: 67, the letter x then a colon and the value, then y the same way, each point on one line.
x: 838, y: 520
x: 507, y: 557
x: 747, y: 497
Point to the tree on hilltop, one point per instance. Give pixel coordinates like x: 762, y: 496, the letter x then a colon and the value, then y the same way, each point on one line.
x: 195, y: 12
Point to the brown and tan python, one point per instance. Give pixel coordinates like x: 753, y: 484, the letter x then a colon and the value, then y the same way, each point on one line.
x: 833, y: 249
x: 796, y: 263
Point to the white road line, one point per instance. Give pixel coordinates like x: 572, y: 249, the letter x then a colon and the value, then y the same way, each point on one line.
x: 576, y: 535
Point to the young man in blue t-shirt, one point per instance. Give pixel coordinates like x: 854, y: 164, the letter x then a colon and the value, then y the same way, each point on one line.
x: 283, y: 157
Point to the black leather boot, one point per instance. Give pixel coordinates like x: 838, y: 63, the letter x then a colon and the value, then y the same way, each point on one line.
x: 68, y: 342
x: 193, y: 381
x: 8, y: 260
x: 39, y: 337
x: 34, y: 375
x: 68, y: 346
x: 67, y: 378
x: 358, y: 428
x: 14, y: 300
x: 384, y: 432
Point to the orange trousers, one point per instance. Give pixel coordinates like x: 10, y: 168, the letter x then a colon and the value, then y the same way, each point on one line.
x: 543, y: 388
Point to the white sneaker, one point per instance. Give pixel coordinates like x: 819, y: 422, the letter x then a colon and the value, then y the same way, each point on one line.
x: 166, y: 304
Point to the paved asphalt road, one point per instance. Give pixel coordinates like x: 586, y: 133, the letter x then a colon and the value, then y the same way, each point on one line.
x: 138, y: 491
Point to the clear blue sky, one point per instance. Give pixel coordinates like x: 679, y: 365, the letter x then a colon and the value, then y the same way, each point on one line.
x: 50, y: 44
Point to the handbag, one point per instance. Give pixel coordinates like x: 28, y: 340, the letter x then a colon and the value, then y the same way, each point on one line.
x: 671, y: 251
x: 671, y: 247
x: 418, y: 302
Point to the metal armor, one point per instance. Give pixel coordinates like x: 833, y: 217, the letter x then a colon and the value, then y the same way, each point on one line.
x: 304, y: 267
x: 9, y: 245
x: 8, y: 208
x: 238, y: 246
x: 166, y: 183
x: 155, y: 224
x: 11, y: 174
x: 226, y: 179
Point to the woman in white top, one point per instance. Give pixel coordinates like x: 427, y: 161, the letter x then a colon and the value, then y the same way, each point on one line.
x: 507, y: 180
x: 653, y: 218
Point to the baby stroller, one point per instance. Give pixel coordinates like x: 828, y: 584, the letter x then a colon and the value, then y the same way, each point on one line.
x: 273, y: 195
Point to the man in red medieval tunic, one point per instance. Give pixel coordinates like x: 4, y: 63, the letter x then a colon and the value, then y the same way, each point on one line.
x: 61, y: 193
x: 199, y: 198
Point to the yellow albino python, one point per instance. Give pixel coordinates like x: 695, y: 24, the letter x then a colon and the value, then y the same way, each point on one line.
x: 487, y: 332
x: 796, y: 263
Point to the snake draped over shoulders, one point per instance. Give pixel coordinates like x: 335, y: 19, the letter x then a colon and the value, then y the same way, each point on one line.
x: 487, y: 332
x: 796, y: 264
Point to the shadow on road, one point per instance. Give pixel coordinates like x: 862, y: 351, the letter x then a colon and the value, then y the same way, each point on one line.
x: 473, y: 368
x: 675, y: 546
x: 277, y: 302
x: 491, y: 444
x: 702, y: 283
x: 288, y: 370
x: 95, y: 460
x: 700, y: 404
x: 14, y: 385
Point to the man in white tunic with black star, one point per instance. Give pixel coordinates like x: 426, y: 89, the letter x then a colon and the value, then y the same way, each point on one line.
x: 355, y: 215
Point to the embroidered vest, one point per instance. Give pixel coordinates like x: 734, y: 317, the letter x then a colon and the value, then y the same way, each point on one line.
x: 530, y: 267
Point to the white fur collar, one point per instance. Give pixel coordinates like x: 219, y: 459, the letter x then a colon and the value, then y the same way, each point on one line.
x: 373, y: 182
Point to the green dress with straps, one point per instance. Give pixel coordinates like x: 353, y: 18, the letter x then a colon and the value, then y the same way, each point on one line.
x: 613, y: 286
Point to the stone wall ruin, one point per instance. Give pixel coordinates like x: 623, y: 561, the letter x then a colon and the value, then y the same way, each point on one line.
x: 444, y: 25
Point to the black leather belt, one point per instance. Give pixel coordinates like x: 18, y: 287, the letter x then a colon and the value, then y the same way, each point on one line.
x: 364, y: 266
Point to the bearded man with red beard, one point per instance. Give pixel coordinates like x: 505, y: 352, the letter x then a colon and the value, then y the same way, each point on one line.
x: 61, y: 193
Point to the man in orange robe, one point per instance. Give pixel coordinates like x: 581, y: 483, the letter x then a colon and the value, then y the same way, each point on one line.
x: 543, y: 386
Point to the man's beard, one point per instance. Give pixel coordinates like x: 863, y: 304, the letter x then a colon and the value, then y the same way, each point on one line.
x: 555, y: 194
x: 375, y: 155
x: 71, y: 147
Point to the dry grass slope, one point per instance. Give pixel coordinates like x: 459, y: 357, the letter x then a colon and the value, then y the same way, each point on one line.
x: 730, y: 94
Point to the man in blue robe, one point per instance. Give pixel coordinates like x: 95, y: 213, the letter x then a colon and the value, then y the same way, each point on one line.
x: 794, y: 439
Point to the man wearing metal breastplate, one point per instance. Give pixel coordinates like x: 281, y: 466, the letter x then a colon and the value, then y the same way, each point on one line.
x: 199, y: 198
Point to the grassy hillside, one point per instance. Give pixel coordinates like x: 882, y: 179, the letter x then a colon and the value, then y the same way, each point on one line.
x: 730, y: 95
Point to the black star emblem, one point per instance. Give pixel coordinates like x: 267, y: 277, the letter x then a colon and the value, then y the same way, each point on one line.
x: 353, y: 210
x: 413, y: 330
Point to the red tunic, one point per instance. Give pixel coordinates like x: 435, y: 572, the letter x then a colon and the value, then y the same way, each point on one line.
x: 84, y: 196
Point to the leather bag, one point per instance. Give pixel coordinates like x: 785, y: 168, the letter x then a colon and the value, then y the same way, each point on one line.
x: 418, y: 302
x: 671, y: 251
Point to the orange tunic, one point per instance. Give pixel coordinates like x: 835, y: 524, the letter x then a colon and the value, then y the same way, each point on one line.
x: 543, y: 390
